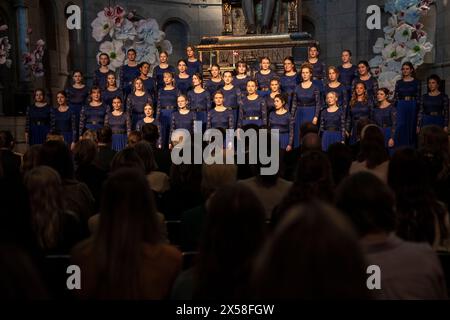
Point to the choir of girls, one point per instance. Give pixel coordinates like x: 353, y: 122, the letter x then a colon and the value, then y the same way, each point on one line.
x: 335, y: 99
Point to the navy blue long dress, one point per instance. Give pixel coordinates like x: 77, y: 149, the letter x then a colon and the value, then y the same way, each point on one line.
x: 285, y: 124
x: 135, y: 107
x: 92, y: 118
x: 167, y: 104
x: 182, y: 121
x: 200, y: 103
x: 306, y: 105
x: 332, y: 127
x: 263, y: 81
x: 231, y: 100
x: 126, y: 75
x: 183, y: 85
x: 37, y: 123
x: 224, y: 120
x: 100, y: 79
x: 158, y: 75
x: 150, y: 88
x: 407, y: 94
x: 346, y: 77
x: 252, y: 112
x: 319, y: 74
x: 213, y: 86
x: 194, y: 67
x: 386, y: 119
x: 241, y: 83
x: 64, y: 123
x: 433, y: 110
x: 76, y: 99
x: 288, y: 85
x: 120, y: 126
x: 361, y: 110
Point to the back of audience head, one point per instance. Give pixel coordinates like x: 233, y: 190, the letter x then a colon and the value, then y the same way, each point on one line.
x: 150, y: 133
x: 128, y: 220
x: 214, y: 176
x: 308, y: 127
x: 313, y: 254
x: 311, y: 142
x: 133, y: 138
x: 104, y: 135
x: 420, y: 217
x: 56, y: 155
x: 6, y: 140
x: 31, y: 158
x: 145, y: 152
x: 233, y: 234
x: 127, y: 158
x: 373, y: 150
x: 367, y: 202
x: 90, y: 134
x: 341, y: 158
x: 84, y: 152
x: 45, y: 194
x: 434, y: 147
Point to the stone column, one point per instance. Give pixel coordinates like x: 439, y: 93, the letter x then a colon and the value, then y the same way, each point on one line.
x: 22, y: 27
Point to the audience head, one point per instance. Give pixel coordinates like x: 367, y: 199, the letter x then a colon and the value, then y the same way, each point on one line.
x: 56, y: 154
x: 311, y: 142
x: 6, y: 140
x: 341, y: 158
x: 133, y: 138
x: 214, y: 176
x: 84, y: 152
x: 104, y: 135
x: 31, y: 158
x: 90, y: 135
x: 145, y: 152
x: 233, y: 234
x: 127, y: 158
x: 150, y: 133
x: 373, y: 149
x: 313, y: 254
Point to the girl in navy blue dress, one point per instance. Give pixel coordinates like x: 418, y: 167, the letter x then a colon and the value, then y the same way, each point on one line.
x: 253, y: 109
x: 93, y: 113
x: 158, y: 71
x: 305, y: 102
x: 199, y: 99
x: 274, y: 91
x: 136, y: 101
x: 384, y: 115
x: 183, y: 81
x: 347, y: 72
x: 282, y: 120
x: 319, y: 68
x: 221, y: 117
x: 192, y: 63
x: 289, y: 80
x: 111, y: 90
x: 77, y: 95
x: 369, y: 81
x: 167, y: 102
x: 119, y: 122
x: 149, y: 119
x: 242, y: 77
x: 182, y: 119
x: 102, y: 72
x: 407, y: 93
x: 37, y: 123
x: 434, y: 106
x: 216, y: 82
x: 128, y: 72
x: 231, y: 95
x: 63, y: 120
x: 149, y: 82
x: 332, y: 122
x: 334, y: 85
x: 360, y: 107
x: 263, y: 77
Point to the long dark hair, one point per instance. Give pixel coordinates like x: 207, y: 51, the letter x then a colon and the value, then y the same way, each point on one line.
x: 233, y: 234
x: 312, y: 240
x: 418, y: 211
x: 128, y: 220
x: 373, y: 150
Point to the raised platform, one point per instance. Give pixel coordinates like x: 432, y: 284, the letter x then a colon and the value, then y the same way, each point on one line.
x: 226, y: 51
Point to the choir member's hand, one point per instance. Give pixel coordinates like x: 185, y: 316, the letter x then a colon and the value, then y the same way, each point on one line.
x: 347, y: 134
x: 288, y: 148
x: 391, y: 143
x: 315, y: 120
x: 446, y: 129
x: 72, y: 146
x: 159, y: 146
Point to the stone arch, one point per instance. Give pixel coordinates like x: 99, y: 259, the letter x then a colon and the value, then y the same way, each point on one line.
x: 177, y: 32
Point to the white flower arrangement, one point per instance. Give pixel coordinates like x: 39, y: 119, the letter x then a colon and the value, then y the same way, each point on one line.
x: 33, y: 59
x: 5, y: 48
x: 404, y: 40
x: 126, y: 31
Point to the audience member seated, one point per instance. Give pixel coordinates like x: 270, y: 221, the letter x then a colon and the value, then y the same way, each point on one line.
x: 356, y: 147
x: 163, y: 160
x: 133, y: 138
x: 233, y: 235
x: 313, y: 181
x: 90, y: 134
x: 373, y: 156
x: 420, y: 216
x: 56, y: 230
x: 340, y: 156
x: 11, y: 161
x: 76, y: 195
x: 408, y: 270
x: 105, y: 153
x: 313, y: 254
x: 125, y: 258
x: 214, y: 176
x: 31, y: 158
